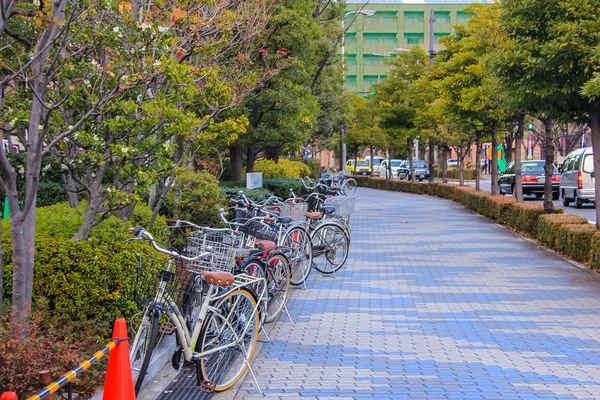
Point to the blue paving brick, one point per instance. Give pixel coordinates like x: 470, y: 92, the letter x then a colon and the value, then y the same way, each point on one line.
x: 436, y: 302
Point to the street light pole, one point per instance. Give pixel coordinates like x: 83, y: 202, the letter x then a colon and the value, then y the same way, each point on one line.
x: 343, y: 133
x: 432, y: 53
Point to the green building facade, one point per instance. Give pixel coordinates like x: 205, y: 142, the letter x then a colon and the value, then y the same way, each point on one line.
x: 396, y: 25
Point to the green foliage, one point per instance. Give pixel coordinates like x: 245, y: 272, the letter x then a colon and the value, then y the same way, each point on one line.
x: 282, y: 169
x: 595, y: 251
x: 548, y: 226
x: 50, y: 193
x: 574, y: 240
x: 470, y: 174
x: 524, y: 218
x: 87, y: 280
x: 276, y: 186
x: 195, y: 197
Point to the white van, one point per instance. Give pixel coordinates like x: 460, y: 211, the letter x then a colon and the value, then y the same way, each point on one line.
x: 577, y: 178
x: 376, y: 163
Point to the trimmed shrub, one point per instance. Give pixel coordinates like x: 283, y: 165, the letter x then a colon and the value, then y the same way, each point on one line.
x: 574, y: 240
x: 282, y: 169
x: 91, y: 279
x: 195, y: 197
x: 470, y: 174
x: 595, y: 251
x: 497, y: 208
x: 276, y: 186
x: 548, y: 226
x: 524, y: 218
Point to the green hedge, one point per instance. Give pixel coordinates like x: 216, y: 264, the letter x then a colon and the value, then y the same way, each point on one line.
x: 548, y: 226
x: 470, y: 174
x: 276, y: 186
x: 568, y: 234
x: 89, y: 280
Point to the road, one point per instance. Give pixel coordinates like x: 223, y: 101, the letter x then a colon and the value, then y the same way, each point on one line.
x: 586, y: 211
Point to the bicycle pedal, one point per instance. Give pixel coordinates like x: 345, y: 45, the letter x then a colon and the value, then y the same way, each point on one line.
x: 166, y: 328
x: 207, y: 386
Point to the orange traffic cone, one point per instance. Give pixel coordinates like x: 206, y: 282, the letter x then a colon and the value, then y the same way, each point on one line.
x: 118, y: 384
x: 8, y: 396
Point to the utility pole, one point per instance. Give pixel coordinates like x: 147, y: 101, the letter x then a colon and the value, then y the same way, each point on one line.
x: 432, y: 54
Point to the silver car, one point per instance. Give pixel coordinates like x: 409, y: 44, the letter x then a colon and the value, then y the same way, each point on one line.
x: 578, y: 179
x: 384, y: 166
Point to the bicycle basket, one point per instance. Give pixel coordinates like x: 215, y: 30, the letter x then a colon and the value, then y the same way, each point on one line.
x: 260, y: 231
x: 222, y: 245
x: 344, y: 205
x: 295, y: 210
x: 177, y: 285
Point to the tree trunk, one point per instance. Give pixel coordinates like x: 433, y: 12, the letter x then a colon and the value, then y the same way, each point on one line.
x: 250, y: 159
x: 90, y: 219
x: 494, y: 176
x: 273, y: 153
x: 388, y: 170
x: 445, y: 166
x: 152, y: 195
x: 411, y: 163
x: 431, y: 160
x: 126, y: 211
x: 549, y: 165
x: 371, y: 160
x: 518, y: 190
x: 237, y: 164
x: 461, y: 166
x: 508, y: 153
x: 355, y: 158
x: 70, y: 187
x: 478, y: 160
x: 595, y: 132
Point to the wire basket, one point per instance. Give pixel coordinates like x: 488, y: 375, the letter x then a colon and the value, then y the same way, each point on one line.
x: 260, y: 231
x: 221, y: 243
x: 294, y: 210
x: 177, y: 285
x: 344, y: 205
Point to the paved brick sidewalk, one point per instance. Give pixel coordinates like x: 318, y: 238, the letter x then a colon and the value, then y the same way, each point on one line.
x: 436, y: 303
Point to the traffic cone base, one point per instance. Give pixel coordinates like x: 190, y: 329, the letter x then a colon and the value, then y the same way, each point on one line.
x: 118, y: 384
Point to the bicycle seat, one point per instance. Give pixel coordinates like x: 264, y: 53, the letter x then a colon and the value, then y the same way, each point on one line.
x: 220, y: 278
x: 284, y: 220
x: 313, y: 215
x: 265, y: 245
x: 242, y: 253
x: 328, y: 209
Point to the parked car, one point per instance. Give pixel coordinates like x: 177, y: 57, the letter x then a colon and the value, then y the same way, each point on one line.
x: 578, y: 178
x: 376, y: 163
x: 533, y: 179
x: 384, y: 166
x: 362, y: 167
x: 452, y: 162
x: 421, y: 170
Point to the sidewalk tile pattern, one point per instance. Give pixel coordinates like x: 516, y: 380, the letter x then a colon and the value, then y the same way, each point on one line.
x: 435, y: 303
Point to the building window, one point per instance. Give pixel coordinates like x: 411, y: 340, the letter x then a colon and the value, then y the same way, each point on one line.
x: 351, y: 61
x: 372, y: 61
x: 414, y: 20
x: 462, y: 17
x: 372, y: 40
x: 388, y: 20
x: 372, y: 19
x: 370, y: 82
x: 350, y: 39
x: 442, y: 19
x: 413, y: 41
x: 350, y: 83
x: 389, y: 40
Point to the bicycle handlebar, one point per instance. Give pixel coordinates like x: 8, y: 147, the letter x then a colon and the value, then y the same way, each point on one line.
x: 141, y: 233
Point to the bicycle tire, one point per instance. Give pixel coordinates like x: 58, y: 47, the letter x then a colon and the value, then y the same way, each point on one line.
x: 143, y: 346
x: 330, y: 239
x: 278, y: 286
x: 191, y: 303
x: 238, y: 307
x: 298, y: 240
x: 349, y: 187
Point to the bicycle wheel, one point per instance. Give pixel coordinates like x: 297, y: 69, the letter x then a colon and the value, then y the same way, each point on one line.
x: 278, y: 285
x: 142, y: 348
x: 256, y: 269
x: 349, y: 187
x: 236, y: 317
x: 191, y: 302
x: 298, y: 240
x: 331, y: 245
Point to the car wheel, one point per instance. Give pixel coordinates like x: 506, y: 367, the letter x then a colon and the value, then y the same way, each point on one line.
x: 420, y: 180
x: 555, y: 196
x: 565, y: 199
x: 538, y: 196
x: 577, y: 202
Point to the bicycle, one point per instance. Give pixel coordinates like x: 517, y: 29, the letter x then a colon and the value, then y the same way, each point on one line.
x: 223, y: 338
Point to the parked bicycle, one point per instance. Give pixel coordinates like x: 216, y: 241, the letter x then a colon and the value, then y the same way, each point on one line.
x: 214, y: 314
